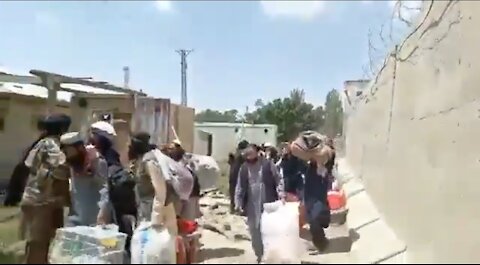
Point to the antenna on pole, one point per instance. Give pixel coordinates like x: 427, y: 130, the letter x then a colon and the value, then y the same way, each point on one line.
x: 183, y: 64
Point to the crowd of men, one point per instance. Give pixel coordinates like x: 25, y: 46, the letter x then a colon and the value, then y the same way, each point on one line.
x: 84, y: 174
x: 63, y: 169
x: 258, y: 175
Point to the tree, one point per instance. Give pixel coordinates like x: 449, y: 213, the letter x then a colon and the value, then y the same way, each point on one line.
x: 291, y: 114
x: 209, y: 115
x: 333, y: 114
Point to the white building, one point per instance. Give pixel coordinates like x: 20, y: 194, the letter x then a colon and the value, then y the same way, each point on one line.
x: 218, y: 138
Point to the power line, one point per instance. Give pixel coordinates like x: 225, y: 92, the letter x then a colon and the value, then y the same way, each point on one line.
x: 183, y: 64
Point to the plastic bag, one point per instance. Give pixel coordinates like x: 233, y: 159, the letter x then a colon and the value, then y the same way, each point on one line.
x: 281, y: 234
x: 88, y: 245
x: 152, y: 245
x: 206, y: 169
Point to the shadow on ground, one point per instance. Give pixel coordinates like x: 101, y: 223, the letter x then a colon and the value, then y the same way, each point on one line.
x: 337, y: 243
x: 217, y: 253
x: 342, y: 244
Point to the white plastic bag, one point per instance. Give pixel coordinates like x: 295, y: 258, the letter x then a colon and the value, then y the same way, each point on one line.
x: 152, y: 245
x: 206, y: 169
x: 280, y: 233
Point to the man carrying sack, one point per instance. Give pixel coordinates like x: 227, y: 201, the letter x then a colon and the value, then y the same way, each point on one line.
x: 310, y: 146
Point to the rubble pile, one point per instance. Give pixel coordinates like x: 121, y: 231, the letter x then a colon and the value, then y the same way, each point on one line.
x: 215, y: 208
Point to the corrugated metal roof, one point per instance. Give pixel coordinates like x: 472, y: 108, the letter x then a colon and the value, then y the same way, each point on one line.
x: 32, y: 90
x: 42, y: 92
x: 233, y: 124
x: 90, y: 89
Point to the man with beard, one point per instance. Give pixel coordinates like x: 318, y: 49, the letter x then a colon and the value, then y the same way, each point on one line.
x: 46, y: 191
x: 89, y: 190
x: 259, y: 182
x: 154, y: 204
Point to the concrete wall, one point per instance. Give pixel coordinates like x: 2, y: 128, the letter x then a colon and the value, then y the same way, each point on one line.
x: 414, y: 141
x: 20, y: 115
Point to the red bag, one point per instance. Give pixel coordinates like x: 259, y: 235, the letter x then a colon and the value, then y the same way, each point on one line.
x: 337, y: 199
x: 186, y: 227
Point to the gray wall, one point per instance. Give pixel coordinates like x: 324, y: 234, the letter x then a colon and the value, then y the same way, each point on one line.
x: 415, y: 140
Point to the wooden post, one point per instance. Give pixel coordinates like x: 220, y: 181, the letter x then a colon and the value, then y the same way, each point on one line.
x: 52, y: 94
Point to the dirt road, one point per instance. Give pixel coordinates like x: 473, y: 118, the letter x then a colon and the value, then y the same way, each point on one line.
x: 225, y: 238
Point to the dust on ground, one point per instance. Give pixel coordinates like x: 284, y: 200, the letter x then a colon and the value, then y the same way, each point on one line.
x: 225, y: 238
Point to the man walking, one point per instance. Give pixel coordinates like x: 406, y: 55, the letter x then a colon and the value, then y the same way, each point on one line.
x: 259, y: 182
x: 46, y: 191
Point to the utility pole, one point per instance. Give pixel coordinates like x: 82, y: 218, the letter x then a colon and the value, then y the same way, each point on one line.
x: 183, y: 63
x: 126, y: 77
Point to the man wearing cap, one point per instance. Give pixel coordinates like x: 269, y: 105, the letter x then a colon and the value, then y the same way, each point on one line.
x: 89, y: 190
x: 102, y: 137
x: 46, y: 190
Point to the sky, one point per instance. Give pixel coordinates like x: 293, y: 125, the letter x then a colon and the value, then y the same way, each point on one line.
x: 243, y: 50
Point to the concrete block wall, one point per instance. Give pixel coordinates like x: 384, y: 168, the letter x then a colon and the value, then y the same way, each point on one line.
x: 413, y: 141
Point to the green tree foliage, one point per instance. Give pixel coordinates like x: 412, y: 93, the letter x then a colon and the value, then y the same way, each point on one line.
x: 333, y: 114
x: 291, y: 114
x: 209, y: 115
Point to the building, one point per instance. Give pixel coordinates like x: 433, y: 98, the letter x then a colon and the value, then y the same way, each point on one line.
x: 26, y: 98
x: 160, y: 117
x: 218, y: 139
x: 21, y: 107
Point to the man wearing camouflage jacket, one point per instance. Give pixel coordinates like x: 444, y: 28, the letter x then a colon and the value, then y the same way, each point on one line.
x: 47, y: 190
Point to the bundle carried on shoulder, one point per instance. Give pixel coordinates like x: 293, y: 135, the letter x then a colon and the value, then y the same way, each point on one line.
x: 311, y: 145
x: 176, y: 174
x: 206, y: 169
